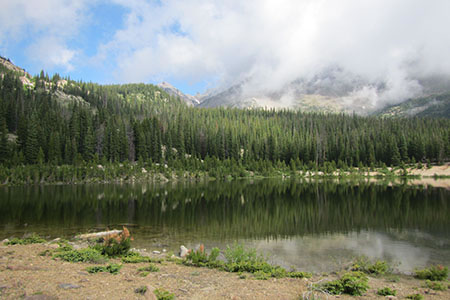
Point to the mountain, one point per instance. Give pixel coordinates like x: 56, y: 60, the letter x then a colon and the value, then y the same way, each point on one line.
x: 174, y: 92
x: 336, y: 91
x: 435, y: 106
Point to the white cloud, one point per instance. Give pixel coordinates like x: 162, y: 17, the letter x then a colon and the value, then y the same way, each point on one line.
x: 276, y: 41
x: 46, y: 25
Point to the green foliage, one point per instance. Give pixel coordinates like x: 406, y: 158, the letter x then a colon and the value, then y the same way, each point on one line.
x: 134, y: 258
x: 415, y: 297
x: 33, y: 239
x: 363, y: 264
x: 299, y: 275
x: 113, y: 248
x: 162, y: 294
x: 354, y: 283
x: 433, y: 273
x: 386, y: 292
x: 237, y: 254
x: 149, y: 268
x: 261, y: 275
x: 83, y: 255
x: 437, y: 286
x: 111, y: 268
x: 141, y: 290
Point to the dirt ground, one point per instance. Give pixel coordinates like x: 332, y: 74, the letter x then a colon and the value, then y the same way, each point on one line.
x: 24, y: 274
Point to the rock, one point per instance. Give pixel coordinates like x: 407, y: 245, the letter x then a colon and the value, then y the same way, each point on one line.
x: 68, y: 286
x: 53, y: 246
x: 164, y: 250
x: 183, y: 251
x: 5, y: 241
x: 156, y: 252
x: 390, y: 297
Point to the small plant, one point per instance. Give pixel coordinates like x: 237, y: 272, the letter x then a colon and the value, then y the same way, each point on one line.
x: 353, y: 283
x: 299, y: 275
x: 134, y: 258
x: 163, y: 294
x: 363, y: 264
x: 261, y: 275
x: 149, y: 268
x: 433, y: 273
x: 112, y: 268
x: 434, y: 285
x: 115, y: 245
x: 141, y: 290
x: 415, y: 297
x: 83, y: 255
x: 32, y: 239
x: 386, y: 292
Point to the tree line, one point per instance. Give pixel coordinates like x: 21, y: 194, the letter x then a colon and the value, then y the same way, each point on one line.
x: 60, y: 121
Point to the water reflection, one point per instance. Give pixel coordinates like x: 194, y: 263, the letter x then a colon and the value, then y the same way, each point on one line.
x: 312, y: 225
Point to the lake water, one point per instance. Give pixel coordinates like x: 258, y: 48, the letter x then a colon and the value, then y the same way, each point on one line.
x: 316, y: 226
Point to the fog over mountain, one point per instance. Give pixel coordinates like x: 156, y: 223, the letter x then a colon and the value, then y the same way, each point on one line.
x: 350, y: 53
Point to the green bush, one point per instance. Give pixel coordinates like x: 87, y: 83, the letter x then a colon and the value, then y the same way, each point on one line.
x: 353, y: 283
x: 433, y: 273
x: 149, y: 268
x: 261, y: 275
x: 299, y: 274
x: 113, y: 248
x: 386, y: 292
x: 437, y: 286
x: 134, y: 258
x: 415, y: 297
x: 363, y: 264
x: 83, y: 255
x: 141, y: 290
x: 112, y: 268
x: 163, y: 294
x: 33, y: 239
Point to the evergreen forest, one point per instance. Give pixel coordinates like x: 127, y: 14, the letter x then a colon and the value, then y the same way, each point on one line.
x: 55, y: 121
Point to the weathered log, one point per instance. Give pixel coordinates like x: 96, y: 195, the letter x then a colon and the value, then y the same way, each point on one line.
x: 96, y: 235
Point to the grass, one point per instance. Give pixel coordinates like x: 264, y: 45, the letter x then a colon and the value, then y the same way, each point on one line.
x: 141, y: 290
x: 144, y: 271
x: 435, y: 285
x: 433, y: 273
x: 111, y: 268
x: 32, y: 239
x: 415, y: 297
x: 134, y: 258
x: 83, y: 255
x: 162, y: 294
x: 354, y: 283
x: 386, y: 292
x: 378, y: 267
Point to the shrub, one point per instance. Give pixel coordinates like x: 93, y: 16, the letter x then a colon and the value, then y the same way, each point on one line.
x: 163, y: 294
x: 261, y: 275
x: 32, y: 239
x: 299, y: 274
x: 149, y: 268
x: 112, y: 268
x: 363, y: 264
x: 352, y: 283
x: 437, y: 286
x: 386, y: 292
x: 433, y: 273
x: 134, y: 258
x: 82, y: 255
x: 114, y: 248
x: 141, y: 290
x: 415, y: 297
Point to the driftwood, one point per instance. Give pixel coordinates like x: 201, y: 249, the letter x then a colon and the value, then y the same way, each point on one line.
x: 96, y: 235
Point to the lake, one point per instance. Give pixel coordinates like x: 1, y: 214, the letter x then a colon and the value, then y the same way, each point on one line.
x: 312, y: 226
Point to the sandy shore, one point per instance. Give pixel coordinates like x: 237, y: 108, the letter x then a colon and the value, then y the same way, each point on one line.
x: 25, y: 274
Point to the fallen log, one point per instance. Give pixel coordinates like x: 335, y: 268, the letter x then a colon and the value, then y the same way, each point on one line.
x: 96, y: 235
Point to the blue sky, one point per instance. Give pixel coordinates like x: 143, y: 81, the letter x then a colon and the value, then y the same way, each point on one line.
x: 201, y: 44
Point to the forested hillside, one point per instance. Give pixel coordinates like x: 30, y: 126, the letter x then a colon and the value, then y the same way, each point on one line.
x: 57, y: 121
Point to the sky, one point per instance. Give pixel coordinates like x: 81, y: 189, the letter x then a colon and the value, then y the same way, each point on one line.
x: 198, y: 45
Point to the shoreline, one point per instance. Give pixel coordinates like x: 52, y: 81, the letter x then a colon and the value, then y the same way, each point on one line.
x: 438, y: 176
x: 30, y: 272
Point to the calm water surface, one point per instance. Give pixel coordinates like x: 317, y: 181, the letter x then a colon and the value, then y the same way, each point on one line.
x: 315, y: 226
